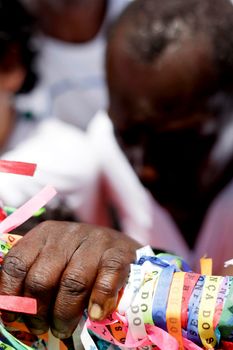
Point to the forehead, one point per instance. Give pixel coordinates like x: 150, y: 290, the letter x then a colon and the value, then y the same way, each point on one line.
x: 181, y: 74
x: 188, y: 63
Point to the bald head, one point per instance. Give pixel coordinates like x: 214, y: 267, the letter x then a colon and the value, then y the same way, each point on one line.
x: 151, y: 26
x: 173, y: 52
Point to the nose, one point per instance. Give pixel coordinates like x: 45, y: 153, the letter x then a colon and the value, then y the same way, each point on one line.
x: 146, y: 172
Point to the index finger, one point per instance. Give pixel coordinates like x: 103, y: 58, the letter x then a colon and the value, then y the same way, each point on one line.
x: 112, y: 275
x: 17, y: 263
x: 75, y: 288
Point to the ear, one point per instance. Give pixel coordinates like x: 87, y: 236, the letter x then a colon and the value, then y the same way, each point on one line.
x: 11, y: 81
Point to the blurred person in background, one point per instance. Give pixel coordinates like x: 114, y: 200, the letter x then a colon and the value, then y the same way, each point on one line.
x: 71, y: 41
x: 16, y: 65
x: 170, y: 76
x: 70, y: 67
x: 23, y: 137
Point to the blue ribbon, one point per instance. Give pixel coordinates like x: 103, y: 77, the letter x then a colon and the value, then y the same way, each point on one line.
x: 160, y: 298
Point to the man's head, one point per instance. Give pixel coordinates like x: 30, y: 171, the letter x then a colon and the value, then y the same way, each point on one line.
x: 75, y: 21
x: 167, y: 61
x: 170, y: 78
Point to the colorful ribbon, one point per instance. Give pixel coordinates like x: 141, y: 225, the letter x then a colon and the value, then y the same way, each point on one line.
x: 165, y: 308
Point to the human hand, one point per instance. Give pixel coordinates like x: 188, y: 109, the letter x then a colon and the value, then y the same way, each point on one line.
x: 68, y: 267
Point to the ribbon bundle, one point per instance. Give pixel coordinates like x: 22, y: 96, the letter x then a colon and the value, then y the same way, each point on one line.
x: 166, y: 306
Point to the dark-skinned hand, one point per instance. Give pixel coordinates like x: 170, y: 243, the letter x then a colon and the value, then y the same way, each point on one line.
x: 68, y: 267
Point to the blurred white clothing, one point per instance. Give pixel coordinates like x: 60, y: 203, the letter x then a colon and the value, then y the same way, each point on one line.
x: 72, y: 76
x: 76, y: 163
x: 64, y: 160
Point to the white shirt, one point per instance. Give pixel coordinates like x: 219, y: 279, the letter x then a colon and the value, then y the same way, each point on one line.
x: 64, y: 160
x: 72, y: 76
x: 79, y: 163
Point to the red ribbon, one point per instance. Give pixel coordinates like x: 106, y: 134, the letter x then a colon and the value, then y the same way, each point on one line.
x: 18, y: 304
x: 20, y: 168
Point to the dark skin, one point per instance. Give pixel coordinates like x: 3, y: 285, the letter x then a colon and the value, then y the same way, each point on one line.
x: 160, y: 112
x: 67, y: 267
x: 74, y: 21
x: 12, y: 75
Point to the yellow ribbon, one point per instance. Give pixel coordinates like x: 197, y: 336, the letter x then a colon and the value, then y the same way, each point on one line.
x: 206, y: 311
x: 173, y: 314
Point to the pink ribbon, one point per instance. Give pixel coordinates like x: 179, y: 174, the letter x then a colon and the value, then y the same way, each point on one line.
x: 27, y: 210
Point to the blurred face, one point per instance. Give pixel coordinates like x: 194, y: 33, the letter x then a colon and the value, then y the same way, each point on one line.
x: 161, y: 115
x: 12, y: 75
x: 71, y: 20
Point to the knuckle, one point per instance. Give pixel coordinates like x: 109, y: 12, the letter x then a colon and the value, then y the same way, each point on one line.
x: 37, y: 285
x: 15, y: 267
x: 105, y: 287
x: 75, y: 283
x: 113, y: 262
x: 50, y: 228
x: 46, y: 225
x: 99, y: 234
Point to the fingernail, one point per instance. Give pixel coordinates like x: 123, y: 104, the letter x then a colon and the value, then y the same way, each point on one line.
x: 95, y: 312
x: 60, y: 335
x: 38, y: 331
x: 36, y: 324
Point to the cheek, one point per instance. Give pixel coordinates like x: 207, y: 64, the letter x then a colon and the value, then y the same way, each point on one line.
x: 7, y: 120
x: 120, y: 111
x: 12, y: 81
